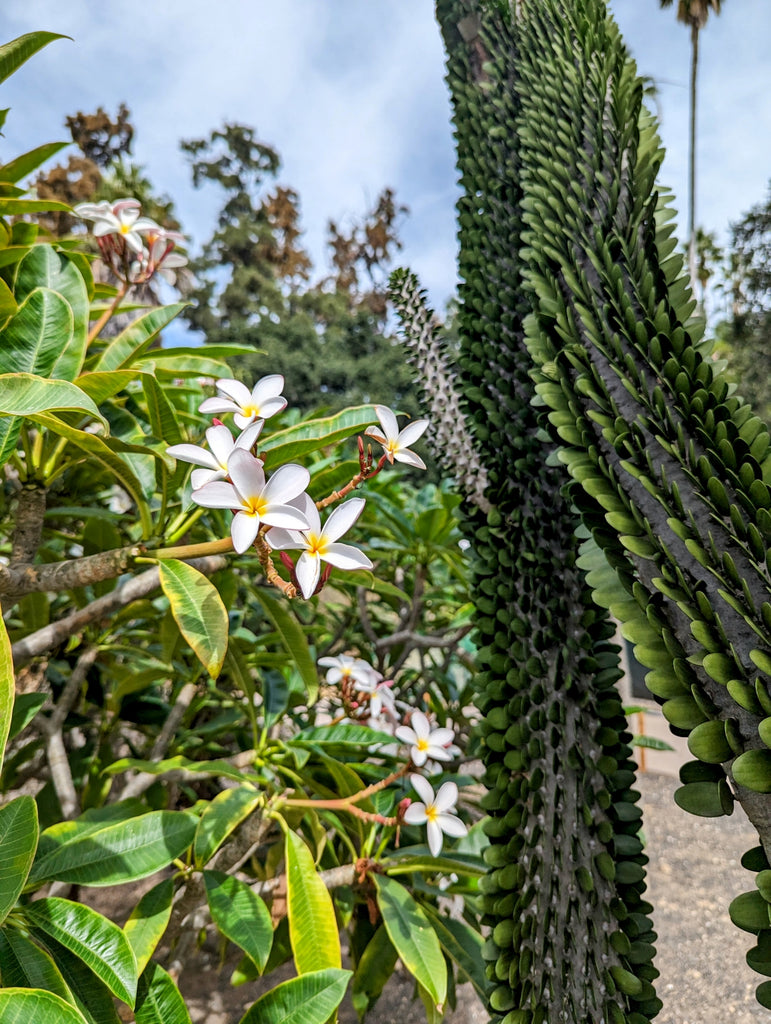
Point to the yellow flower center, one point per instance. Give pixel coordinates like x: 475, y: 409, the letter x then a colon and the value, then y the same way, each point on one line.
x: 317, y: 544
x: 257, y: 507
x: 422, y: 744
x: 125, y: 229
x: 431, y: 812
x: 250, y: 410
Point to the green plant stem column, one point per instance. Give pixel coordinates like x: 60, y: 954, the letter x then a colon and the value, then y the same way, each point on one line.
x: 570, y: 937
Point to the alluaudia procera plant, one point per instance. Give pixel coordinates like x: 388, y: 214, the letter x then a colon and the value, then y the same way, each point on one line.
x: 565, y: 235
x: 570, y: 938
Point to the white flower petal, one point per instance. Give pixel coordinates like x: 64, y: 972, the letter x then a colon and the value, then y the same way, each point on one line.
x: 286, y: 483
x: 415, y: 814
x: 450, y: 825
x: 267, y: 387
x: 387, y: 421
x: 434, y: 835
x: 218, y: 405
x: 420, y: 724
x: 243, y: 530
x: 343, y: 518
x: 235, y: 390
x: 193, y: 453
x: 247, y: 475
x: 423, y: 788
x: 346, y: 556
x: 284, y: 516
x: 447, y: 797
x: 271, y: 406
x: 284, y: 540
x: 410, y: 458
x: 200, y: 477
x: 308, y: 570
x: 412, y: 432
x: 377, y: 433
x: 442, y: 737
x: 438, y: 753
x: 406, y: 735
x: 247, y: 438
x: 217, y: 494
x: 307, y: 506
x: 221, y: 442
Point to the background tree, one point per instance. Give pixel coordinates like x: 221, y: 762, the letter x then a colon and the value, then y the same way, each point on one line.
x: 255, y: 282
x: 694, y: 14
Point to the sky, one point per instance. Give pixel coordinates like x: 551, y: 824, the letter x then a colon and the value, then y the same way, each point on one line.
x: 352, y: 95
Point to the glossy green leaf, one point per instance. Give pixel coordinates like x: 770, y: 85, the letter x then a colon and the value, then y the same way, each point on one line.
x: 148, y: 920
x: 198, y: 611
x: 99, y: 943
x: 312, y: 923
x: 119, y: 853
x: 293, y: 639
x: 222, y: 815
x: 25, y: 164
x: 123, y: 350
x: 25, y: 707
x: 240, y: 915
x: 161, y: 413
x: 413, y: 937
x: 92, y: 820
x: 18, y: 842
x: 17, y: 207
x: 174, y: 764
x: 27, y: 394
x: 158, y: 999
x: 7, y: 687
x: 33, y: 1006
x: 8, y: 305
x: 32, y: 340
x: 103, y: 385
x: 295, y: 442
x: 91, y: 996
x: 343, y: 735
x: 750, y: 912
x: 26, y: 965
x: 464, y: 946
x: 44, y: 267
x: 753, y: 770
x: 310, y: 999
x: 375, y: 967
x: 19, y: 50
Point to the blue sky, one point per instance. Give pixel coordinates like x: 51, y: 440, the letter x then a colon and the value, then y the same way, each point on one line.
x: 351, y: 93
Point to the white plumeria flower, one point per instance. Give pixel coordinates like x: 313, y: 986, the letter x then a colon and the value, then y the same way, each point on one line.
x: 119, y: 218
x: 434, y: 812
x: 344, y: 666
x: 424, y: 741
x: 396, y: 442
x: 255, y: 500
x: 262, y: 401
x: 382, y: 700
x: 222, y: 446
x: 320, y: 545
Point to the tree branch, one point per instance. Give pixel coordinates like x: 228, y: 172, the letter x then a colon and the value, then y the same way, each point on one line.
x: 50, y: 636
x: 29, y: 523
x: 24, y: 578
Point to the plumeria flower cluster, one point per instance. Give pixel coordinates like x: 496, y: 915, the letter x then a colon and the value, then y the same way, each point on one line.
x: 134, y: 247
x: 361, y: 685
x: 277, y: 513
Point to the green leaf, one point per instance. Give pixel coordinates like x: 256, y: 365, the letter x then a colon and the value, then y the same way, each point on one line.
x: 159, y: 1000
x: 293, y: 639
x: 119, y: 853
x: 15, y: 207
x: 464, y: 946
x: 93, y: 998
x: 18, y: 842
x: 32, y: 340
x: 25, y: 707
x: 92, y: 820
x: 26, y: 394
x: 26, y: 965
x: 123, y: 350
x: 223, y: 814
x: 161, y: 413
x: 105, y: 384
x: 343, y: 735
x: 174, y: 764
x: 25, y: 164
x: 7, y: 687
x: 373, y: 970
x: 311, y: 999
x: 198, y: 611
x: 240, y: 915
x: 8, y: 305
x: 312, y: 922
x: 148, y: 920
x: 295, y: 442
x: 413, y: 937
x: 44, y: 267
x: 99, y: 943
x: 19, y: 50
x: 753, y: 770
x: 28, y: 1005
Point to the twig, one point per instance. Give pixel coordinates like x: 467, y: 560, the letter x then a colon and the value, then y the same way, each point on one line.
x: 56, y: 753
x: 18, y: 580
x: 364, y: 619
x: 142, y: 781
x: 50, y: 636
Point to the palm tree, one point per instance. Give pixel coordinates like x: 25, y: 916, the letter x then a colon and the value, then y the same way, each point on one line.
x: 695, y: 14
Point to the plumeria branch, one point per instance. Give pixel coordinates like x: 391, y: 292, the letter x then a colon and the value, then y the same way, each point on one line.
x: 18, y: 580
x: 349, y: 803
x: 104, y: 319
